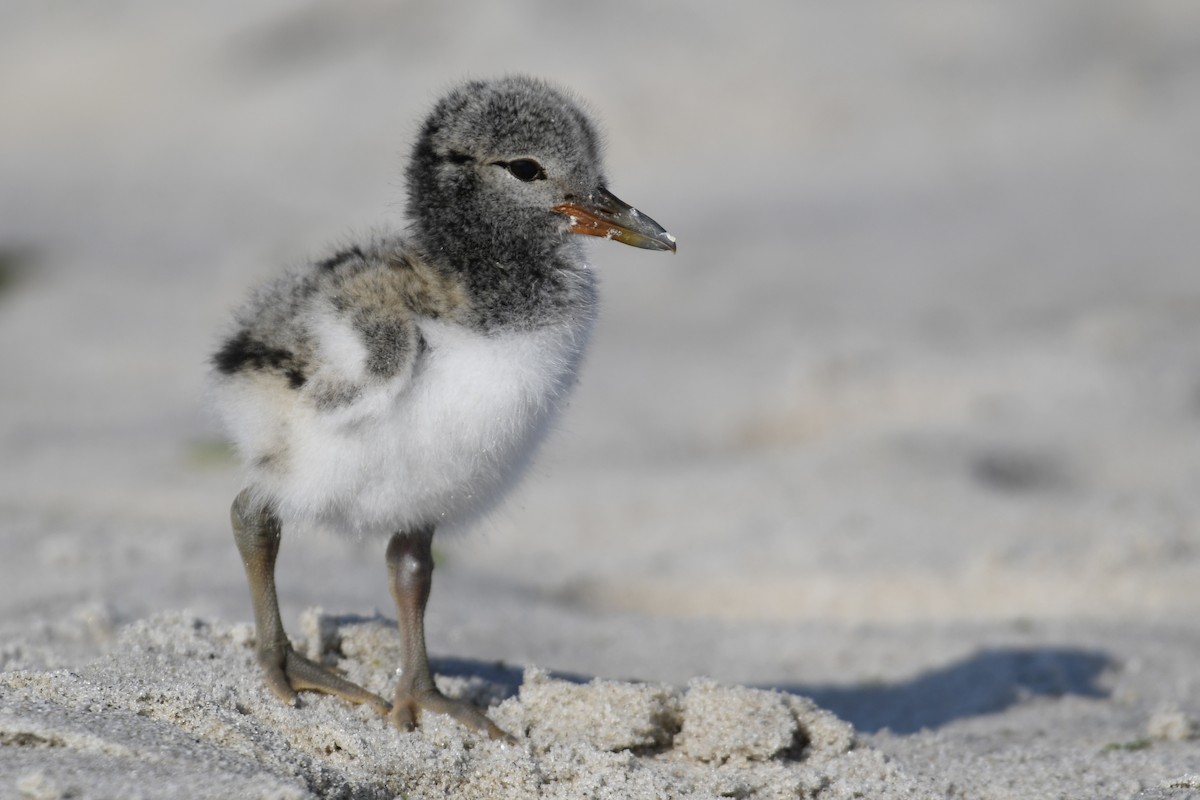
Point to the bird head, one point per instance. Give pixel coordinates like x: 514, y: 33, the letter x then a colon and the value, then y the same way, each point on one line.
x: 515, y: 165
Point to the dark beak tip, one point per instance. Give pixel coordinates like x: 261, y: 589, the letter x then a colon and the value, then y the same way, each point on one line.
x: 662, y: 240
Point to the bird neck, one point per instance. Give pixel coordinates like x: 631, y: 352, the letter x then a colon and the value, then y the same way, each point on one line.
x: 513, y: 282
x: 469, y: 246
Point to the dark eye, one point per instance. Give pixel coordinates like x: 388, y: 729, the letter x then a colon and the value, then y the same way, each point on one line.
x: 526, y: 169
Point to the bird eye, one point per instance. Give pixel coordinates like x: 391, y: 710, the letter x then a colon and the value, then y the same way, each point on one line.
x: 526, y: 169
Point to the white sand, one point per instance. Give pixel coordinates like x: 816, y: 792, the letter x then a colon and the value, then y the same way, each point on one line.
x: 182, y: 705
x: 908, y: 427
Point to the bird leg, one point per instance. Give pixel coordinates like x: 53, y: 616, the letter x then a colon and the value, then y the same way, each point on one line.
x: 256, y: 530
x: 410, y: 573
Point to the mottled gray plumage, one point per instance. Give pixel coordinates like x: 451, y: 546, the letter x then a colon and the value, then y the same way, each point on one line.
x: 401, y: 383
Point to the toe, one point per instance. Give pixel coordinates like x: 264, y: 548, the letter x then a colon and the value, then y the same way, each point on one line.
x: 305, y: 674
x: 407, y: 708
x: 402, y: 718
x: 470, y: 717
x: 279, y: 684
x: 288, y: 673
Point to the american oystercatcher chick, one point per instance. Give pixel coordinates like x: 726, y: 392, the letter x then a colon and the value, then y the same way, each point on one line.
x: 403, y: 382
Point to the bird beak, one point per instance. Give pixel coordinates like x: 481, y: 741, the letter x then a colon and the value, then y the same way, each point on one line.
x: 601, y: 213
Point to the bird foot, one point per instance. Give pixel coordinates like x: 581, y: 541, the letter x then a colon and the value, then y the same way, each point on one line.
x: 287, y: 672
x: 407, y: 709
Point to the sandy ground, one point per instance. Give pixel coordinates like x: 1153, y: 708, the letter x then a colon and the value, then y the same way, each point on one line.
x: 885, y: 486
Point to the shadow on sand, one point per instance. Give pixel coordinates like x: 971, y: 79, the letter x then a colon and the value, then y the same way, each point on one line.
x: 985, y: 683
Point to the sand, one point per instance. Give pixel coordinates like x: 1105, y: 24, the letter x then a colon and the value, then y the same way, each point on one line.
x: 884, y: 486
x: 182, y: 707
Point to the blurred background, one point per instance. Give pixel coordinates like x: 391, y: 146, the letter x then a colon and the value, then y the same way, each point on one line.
x: 928, y: 358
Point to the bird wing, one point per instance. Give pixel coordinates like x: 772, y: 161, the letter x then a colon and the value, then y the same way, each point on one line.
x: 365, y: 343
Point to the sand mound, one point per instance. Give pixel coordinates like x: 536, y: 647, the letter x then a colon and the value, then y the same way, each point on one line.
x: 178, y: 709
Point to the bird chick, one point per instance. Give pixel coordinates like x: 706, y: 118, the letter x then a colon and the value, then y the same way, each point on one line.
x: 402, y: 383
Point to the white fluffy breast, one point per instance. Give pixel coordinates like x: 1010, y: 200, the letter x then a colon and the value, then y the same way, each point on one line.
x: 437, y: 446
